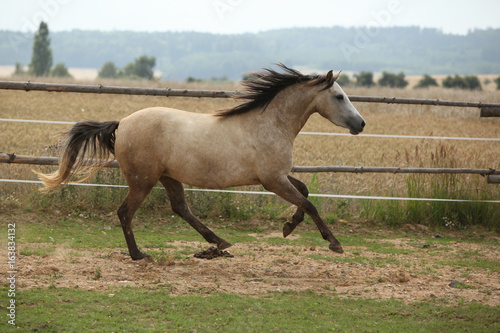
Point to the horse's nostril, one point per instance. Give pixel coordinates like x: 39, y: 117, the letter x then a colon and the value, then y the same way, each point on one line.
x: 363, y: 124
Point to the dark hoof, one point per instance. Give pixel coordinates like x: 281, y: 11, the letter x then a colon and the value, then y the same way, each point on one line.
x: 336, y: 247
x: 287, y: 229
x: 141, y: 256
x: 223, y: 245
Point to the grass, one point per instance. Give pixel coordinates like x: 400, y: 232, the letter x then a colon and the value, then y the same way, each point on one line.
x: 101, y: 233
x: 126, y: 309
x: 157, y: 308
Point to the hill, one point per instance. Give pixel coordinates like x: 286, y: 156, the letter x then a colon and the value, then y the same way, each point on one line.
x: 202, y: 55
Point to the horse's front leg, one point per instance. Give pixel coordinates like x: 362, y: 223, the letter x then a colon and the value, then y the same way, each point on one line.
x: 298, y: 217
x: 283, y: 187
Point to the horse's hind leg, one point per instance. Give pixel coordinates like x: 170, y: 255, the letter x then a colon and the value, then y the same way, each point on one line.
x: 132, y: 202
x: 175, y: 192
x: 298, y: 217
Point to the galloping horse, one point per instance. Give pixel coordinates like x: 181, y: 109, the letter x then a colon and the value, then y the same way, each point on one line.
x: 248, y: 144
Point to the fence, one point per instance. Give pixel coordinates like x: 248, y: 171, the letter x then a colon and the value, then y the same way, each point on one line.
x: 487, y: 110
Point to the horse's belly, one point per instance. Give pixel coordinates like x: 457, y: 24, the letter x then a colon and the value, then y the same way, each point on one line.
x: 209, y: 172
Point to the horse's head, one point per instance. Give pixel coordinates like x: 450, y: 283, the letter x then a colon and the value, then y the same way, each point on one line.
x: 333, y: 104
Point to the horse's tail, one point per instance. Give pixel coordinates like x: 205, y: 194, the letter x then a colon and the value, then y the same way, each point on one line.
x: 86, y: 150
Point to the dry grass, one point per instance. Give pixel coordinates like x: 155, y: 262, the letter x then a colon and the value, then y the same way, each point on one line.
x: 36, y: 139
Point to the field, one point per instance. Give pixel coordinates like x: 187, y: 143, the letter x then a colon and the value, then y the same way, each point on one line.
x: 394, y: 276
x: 41, y: 139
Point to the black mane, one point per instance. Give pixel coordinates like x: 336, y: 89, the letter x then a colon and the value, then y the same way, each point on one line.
x: 263, y: 86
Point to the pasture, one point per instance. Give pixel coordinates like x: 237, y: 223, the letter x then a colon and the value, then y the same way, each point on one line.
x: 394, y: 275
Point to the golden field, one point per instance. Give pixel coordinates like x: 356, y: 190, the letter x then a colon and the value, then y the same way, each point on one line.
x: 36, y: 139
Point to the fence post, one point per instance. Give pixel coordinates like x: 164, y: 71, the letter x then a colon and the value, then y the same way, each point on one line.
x: 493, y: 179
x: 490, y: 111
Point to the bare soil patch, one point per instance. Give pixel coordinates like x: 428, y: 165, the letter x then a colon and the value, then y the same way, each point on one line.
x: 416, y: 274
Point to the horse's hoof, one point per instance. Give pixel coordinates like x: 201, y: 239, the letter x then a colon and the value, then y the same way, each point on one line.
x: 141, y: 256
x: 336, y: 247
x: 287, y: 229
x: 223, y: 245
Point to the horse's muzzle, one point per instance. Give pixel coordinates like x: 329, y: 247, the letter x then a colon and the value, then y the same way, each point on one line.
x: 355, y: 130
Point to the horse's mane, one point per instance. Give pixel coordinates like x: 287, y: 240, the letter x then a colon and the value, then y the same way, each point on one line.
x: 263, y: 86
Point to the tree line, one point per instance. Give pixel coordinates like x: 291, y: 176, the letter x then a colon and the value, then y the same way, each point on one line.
x: 180, y: 55
x: 41, y: 62
x: 366, y: 79
x: 142, y: 68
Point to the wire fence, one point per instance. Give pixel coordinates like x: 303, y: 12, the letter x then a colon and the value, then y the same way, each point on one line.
x: 487, y: 110
x: 383, y: 136
x: 320, y: 195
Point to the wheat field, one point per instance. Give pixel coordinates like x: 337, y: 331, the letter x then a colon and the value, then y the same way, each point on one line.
x: 40, y: 139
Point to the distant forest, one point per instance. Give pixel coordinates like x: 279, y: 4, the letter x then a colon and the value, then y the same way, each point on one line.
x: 180, y: 55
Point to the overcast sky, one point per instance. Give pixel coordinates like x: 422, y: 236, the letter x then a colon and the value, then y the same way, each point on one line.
x: 240, y: 16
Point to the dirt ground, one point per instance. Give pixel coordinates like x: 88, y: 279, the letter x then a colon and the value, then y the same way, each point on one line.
x: 259, y: 268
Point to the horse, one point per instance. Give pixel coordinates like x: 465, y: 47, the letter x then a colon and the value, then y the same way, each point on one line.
x: 249, y: 144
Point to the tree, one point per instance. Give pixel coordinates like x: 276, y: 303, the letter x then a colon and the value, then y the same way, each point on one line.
x: 497, y: 81
x: 344, y: 80
x: 41, y: 58
x: 454, y: 82
x: 470, y: 82
x: 142, y: 67
x: 364, y: 79
x: 109, y: 70
x: 19, y: 69
x: 426, y: 82
x: 60, y: 70
x: 393, y: 80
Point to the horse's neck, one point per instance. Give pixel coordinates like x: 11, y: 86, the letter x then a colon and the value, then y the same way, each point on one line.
x: 291, y: 108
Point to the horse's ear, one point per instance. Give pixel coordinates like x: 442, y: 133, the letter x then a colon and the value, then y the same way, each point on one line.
x: 329, y: 78
x: 336, y: 76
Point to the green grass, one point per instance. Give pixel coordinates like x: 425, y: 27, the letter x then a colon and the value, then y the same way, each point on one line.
x: 82, y: 231
x: 156, y: 309
x: 471, y: 263
x: 137, y: 310
x: 440, y: 214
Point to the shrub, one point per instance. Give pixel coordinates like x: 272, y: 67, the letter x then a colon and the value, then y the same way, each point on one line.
x: 393, y: 80
x: 109, y: 70
x: 344, y: 80
x: 60, y: 70
x: 364, y: 79
x: 426, y: 81
x: 497, y: 81
x: 19, y: 69
x: 470, y: 82
x: 140, y: 68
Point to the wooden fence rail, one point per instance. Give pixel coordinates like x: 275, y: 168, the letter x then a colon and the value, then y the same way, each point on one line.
x: 487, y: 109
x: 493, y: 175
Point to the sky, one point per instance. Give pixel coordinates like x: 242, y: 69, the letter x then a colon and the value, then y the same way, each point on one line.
x: 243, y: 16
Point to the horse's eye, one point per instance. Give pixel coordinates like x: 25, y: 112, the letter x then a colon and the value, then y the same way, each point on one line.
x: 339, y: 97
